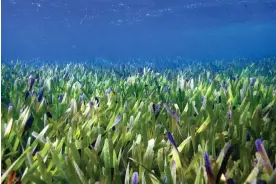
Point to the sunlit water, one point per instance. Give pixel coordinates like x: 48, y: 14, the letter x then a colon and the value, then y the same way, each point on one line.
x: 113, y: 29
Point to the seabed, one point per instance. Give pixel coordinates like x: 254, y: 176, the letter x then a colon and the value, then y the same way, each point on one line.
x: 196, y: 122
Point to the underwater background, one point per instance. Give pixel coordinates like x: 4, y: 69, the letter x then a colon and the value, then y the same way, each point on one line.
x: 140, y: 92
x: 123, y: 29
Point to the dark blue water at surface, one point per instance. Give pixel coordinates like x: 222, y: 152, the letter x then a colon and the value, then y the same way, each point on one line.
x: 84, y: 29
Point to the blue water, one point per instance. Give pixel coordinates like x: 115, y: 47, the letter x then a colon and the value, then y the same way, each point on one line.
x: 119, y: 29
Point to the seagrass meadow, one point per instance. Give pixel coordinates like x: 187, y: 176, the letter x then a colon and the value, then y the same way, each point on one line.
x: 196, y: 122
